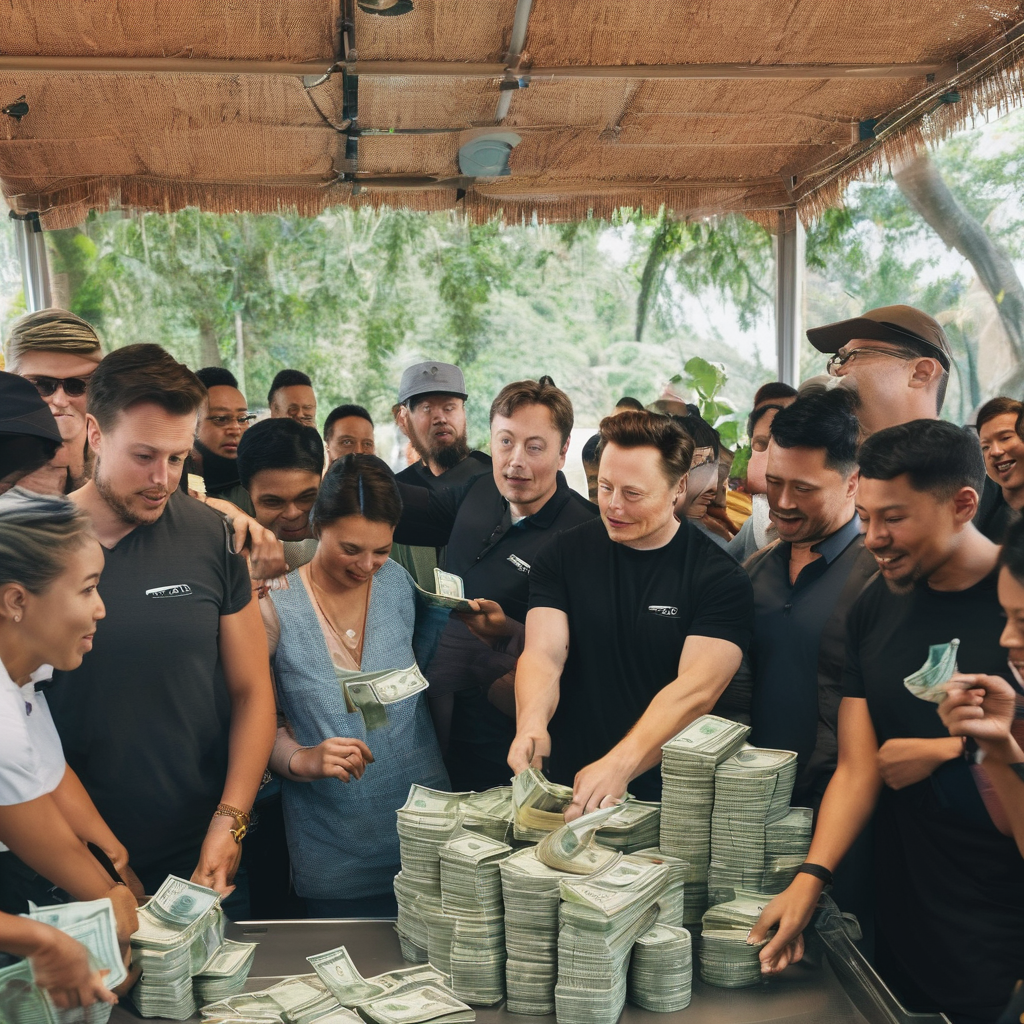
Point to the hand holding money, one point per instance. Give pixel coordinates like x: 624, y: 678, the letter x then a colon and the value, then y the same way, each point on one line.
x: 486, y: 620
x: 790, y: 912
x: 907, y: 760
x: 219, y: 857
x: 337, y: 758
x: 601, y: 784
x: 61, y: 966
x: 982, y: 707
x: 528, y: 750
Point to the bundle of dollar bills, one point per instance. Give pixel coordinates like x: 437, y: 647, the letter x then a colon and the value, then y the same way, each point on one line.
x: 672, y: 901
x: 374, y: 691
x: 298, y: 1000
x: 225, y: 973
x: 786, y: 843
x: 449, y: 592
x: 661, y: 969
x: 752, y: 790
x: 471, y: 897
x: 573, y: 847
x: 489, y: 813
x: 93, y: 925
x: 726, y: 959
x: 637, y: 826
x: 539, y: 805
x: 600, y: 918
x: 688, y: 796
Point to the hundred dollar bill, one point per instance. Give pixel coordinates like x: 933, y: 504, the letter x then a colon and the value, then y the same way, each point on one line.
x: 447, y: 584
x: 180, y: 904
x: 708, y: 736
x: 928, y: 682
x: 94, y: 925
x: 572, y: 847
x: 538, y: 804
x: 415, y: 1004
x: 337, y: 971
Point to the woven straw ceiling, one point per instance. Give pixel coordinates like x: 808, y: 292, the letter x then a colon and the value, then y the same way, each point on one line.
x: 303, y: 104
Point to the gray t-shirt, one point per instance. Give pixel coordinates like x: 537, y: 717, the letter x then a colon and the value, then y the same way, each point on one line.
x: 144, y: 720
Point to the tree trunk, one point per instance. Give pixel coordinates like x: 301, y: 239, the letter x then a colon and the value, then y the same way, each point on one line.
x: 926, y: 191
x: 209, y: 350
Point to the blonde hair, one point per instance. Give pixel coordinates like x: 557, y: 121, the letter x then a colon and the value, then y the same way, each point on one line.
x: 51, y: 330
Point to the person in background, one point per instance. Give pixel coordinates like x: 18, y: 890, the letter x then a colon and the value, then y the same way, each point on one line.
x: 50, y: 566
x: 637, y: 622
x: 628, y: 403
x: 432, y: 414
x: 590, y: 464
x: 291, y: 394
x: 348, y: 430
x: 775, y: 392
x: 346, y: 615
x: 223, y: 421
x: 169, y: 721
x: 702, y: 482
x: 29, y: 437
x: 58, y: 352
x: 949, y: 886
x: 1003, y: 449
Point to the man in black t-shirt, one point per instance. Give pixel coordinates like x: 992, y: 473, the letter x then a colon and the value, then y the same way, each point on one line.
x: 170, y: 720
x: 949, y: 885
x: 636, y: 624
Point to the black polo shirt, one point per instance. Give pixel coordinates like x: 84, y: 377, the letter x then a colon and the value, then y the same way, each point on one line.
x: 472, y: 466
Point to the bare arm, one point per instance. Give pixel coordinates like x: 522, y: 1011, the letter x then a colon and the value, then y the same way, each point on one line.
x: 243, y: 653
x: 335, y: 758
x: 80, y: 813
x: 846, y: 808
x: 538, y: 675
x: 706, y: 664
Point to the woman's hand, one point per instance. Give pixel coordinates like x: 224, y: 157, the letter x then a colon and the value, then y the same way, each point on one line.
x: 790, y: 912
x: 60, y: 965
x: 337, y: 758
x: 219, y: 857
x: 981, y: 707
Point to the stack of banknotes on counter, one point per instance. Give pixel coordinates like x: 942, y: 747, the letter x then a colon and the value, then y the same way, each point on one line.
x: 661, y: 969
x: 726, y: 959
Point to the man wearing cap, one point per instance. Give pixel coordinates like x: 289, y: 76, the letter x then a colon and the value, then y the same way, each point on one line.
x: 432, y: 414
x: 896, y: 358
x: 29, y: 437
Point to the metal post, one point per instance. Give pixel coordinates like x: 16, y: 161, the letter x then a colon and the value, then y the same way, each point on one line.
x: 35, y: 271
x: 789, y: 295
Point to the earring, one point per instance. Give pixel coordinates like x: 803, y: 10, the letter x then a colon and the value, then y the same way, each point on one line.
x: 17, y: 618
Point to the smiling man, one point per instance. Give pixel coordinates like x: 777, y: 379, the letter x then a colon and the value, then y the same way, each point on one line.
x: 1003, y: 449
x: 636, y: 624
x: 949, y: 886
x: 169, y: 721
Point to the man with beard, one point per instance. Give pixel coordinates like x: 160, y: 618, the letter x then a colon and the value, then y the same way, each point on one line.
x: 169, y: 721
x: 432, y: 415
x: 949, y: 886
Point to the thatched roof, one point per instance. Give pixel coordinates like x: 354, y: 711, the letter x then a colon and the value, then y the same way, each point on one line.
x: 703, y: 105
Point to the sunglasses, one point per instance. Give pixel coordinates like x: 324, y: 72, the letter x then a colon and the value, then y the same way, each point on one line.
x: 73, y: 387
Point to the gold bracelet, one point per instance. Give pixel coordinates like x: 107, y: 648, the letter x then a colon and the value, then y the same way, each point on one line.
x: 241, y: 819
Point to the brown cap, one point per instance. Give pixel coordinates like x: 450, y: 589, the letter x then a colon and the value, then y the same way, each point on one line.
x: 898, y: 324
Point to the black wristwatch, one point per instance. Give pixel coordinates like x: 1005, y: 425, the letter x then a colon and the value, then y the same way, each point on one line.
x: 821, y: 873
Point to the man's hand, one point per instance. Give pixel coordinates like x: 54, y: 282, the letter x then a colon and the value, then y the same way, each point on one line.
x: 486, y: 621
x: 982, y: 707
x: 266, y: 552
x: 791, y: 912
x: 219, y: 857
x: 528, y: 750
x: 902, y: 762
x: 60, y: 965
x: 336, y: 758
x: 601, y: 784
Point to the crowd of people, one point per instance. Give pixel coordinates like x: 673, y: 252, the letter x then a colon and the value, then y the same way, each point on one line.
x: 194, y: 608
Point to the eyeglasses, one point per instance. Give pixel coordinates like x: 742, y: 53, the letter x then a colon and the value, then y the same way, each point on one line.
x: 841, y: 359
x: 73, y: 387
x: 224, y: 421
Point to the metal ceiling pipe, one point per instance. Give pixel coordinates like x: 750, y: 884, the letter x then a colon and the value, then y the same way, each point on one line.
x: 789, y: 295
x: 35, y: 269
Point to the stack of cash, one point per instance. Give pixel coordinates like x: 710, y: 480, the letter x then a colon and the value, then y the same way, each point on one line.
x: 298, y: 1000
x: 93, y: 925
x: 752, y: 790
x: 471, y: 897
x: 531, y: 892
x: 786, y: 843
x: 337, y: 971
x: 600, y: 918
x: 427, y: 820
x: 661, y: 969
x: 637, y: 826
x: 180, y: 929
x: 573, y: 847
x: 416, y: 1003
x: 672, y: 901
x: 225, y: 973
x: 489, y: 813
x: 688, y: 797
x: 538, y: 805
x: 726, y: 960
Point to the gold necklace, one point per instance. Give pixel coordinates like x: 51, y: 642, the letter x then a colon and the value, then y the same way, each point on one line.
x: 350, y: 638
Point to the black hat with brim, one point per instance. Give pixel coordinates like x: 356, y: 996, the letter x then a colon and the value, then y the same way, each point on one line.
x: 22, y: 411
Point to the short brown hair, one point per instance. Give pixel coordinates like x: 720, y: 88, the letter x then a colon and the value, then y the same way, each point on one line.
x: 536, y: 392
x: 51, y: 330
x: 650, y: 430
x: 997, y: 407
x: 137, y: 374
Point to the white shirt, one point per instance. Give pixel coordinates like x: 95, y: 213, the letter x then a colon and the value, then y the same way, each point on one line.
x: 31, y: 756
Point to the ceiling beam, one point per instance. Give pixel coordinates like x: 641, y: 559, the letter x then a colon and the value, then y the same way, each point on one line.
x: 163, y: 65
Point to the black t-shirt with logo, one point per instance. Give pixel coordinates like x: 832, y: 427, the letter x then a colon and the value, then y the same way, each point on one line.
x: 630, y: 613
x: 144, y: 721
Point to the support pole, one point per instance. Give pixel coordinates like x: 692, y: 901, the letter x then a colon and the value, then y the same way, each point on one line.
x: 35, y: 271
x: 789, y: 295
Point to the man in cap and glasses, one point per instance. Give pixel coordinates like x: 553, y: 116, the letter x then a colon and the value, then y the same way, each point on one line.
x: 896, y: 358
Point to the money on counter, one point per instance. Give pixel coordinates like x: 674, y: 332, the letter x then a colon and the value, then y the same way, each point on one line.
x: 226, y: 972
x: 929, y: 681
x: 539, y: 805
x: 726, y: 960
x: 661, y: 970
x: 573, y: 847
x: 688, y: 796
x: 337, y: 971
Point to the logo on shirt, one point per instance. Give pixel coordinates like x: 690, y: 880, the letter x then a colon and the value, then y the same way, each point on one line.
x: 663, y: 609
x: 174, y: 590
x: 519, y: 563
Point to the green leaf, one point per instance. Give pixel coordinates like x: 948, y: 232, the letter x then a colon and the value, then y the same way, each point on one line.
x: 707, y: 377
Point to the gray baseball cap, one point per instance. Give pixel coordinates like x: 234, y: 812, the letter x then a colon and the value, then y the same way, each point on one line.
x: 431, y: 379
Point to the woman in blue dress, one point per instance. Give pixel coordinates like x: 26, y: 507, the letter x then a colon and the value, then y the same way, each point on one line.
x: 358, y: 730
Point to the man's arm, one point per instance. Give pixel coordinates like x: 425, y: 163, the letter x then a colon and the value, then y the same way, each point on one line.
x: 706, y: 665
x: 538, y: 675
x: 428, y: 515
x: 846, y: 808
x: 243, y: 653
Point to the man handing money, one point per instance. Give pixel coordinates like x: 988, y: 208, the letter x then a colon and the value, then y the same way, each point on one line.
x: 635, y: 625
